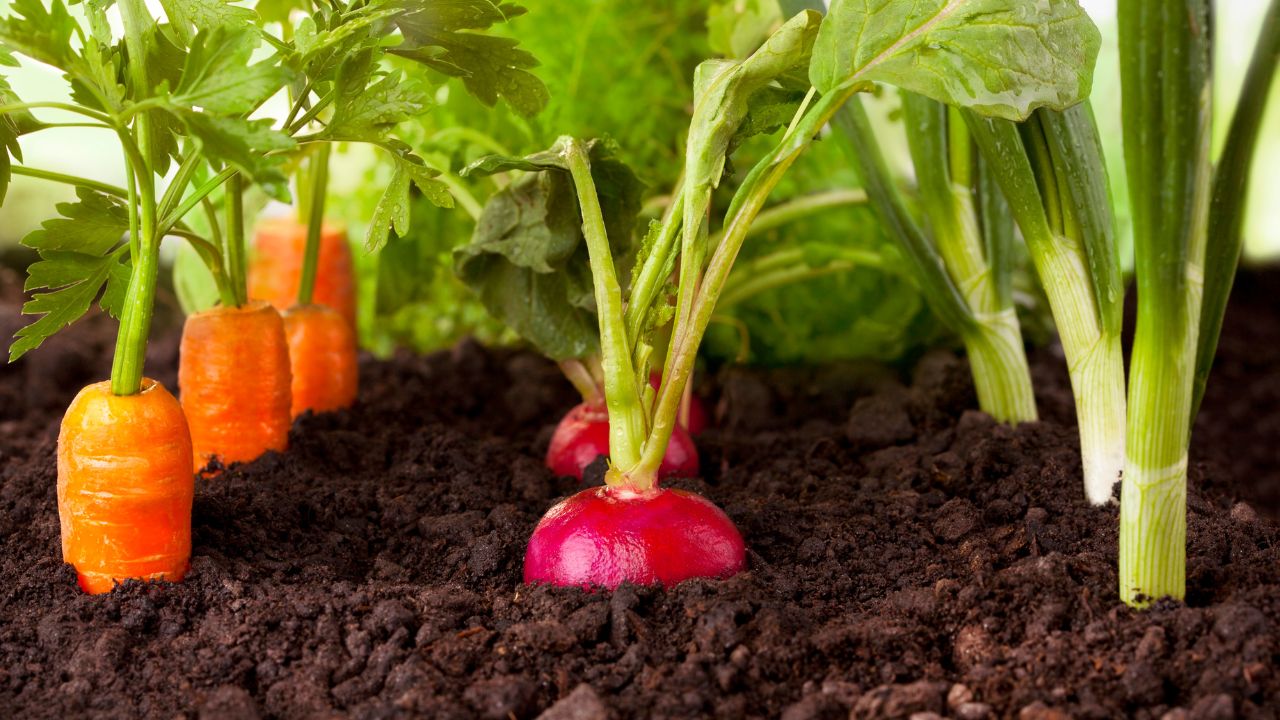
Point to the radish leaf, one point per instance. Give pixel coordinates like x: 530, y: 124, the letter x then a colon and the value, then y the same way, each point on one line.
x: 999, y: 57
x: 527, y: 260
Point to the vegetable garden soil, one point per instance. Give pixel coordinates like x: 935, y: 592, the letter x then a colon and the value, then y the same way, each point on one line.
x: 906, y: 555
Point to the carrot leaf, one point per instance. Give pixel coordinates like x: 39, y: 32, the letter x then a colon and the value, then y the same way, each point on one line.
x: 437, y: 35
x: 392, y: 210
x: 188, y: 17
x: 368, y: 107
x: 217, y: 76
x: 80, y: 254
x: 243, y: 144
x: 41, y: 34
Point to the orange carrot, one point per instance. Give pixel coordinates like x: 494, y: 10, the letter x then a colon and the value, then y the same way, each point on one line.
x: 322, y: 358
x: 125, y: 486
x: 276, y: 267
x: 233, y: 373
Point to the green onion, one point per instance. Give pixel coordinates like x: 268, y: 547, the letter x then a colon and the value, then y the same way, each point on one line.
x: 1166, y: 82
x: 1052, y: 172
x: 963, y: 268
x: 1184, y: 275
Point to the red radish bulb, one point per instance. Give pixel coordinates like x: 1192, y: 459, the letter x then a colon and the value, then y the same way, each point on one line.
x: 606, y: 536
x: 697, y: 410
x: 583, y: 435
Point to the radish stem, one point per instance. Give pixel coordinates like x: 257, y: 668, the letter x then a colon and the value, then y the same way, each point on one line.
x: 622, y: 398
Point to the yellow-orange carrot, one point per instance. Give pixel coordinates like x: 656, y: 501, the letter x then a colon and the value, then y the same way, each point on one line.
x: 275, y: 270
x: 233, y: 374
x: 322, y: 359
x: 125, y: 486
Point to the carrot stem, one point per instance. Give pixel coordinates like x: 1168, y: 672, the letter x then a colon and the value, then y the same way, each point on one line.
x: 235, y: 238
x: 315, y: 222
x: 135, y: 322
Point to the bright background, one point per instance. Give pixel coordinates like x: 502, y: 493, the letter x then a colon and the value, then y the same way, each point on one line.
x: 79, y: 151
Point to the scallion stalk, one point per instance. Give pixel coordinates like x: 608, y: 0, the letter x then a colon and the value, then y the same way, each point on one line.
x: 1166, y: 81
x: 1052, y: 173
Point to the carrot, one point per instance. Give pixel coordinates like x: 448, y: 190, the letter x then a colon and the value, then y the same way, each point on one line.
x: 275, y: 270
x: 233, y: 372
x: 125, y: 486
x: 322, y: 359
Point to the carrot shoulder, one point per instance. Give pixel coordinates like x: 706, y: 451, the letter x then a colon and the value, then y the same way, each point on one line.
x: 322, y: 357
x: 275, y: 271
x: 233, y: 373
x: 125, y: 486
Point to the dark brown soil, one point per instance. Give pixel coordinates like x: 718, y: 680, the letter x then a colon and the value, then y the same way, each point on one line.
x: 907, y: 555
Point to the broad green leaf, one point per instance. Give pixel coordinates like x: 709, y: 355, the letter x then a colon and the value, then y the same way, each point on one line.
x: 999, y: 57
x: 528, y: 261
x: 723, y: 97
x: 735, y: 28
x: 218, y: 78
x: 438, y: 34
x: 723, y: 92
x: 190, y: 17
x: 771, y: 109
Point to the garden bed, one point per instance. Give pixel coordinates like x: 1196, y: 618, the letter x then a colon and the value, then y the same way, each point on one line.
x: 906, y: 556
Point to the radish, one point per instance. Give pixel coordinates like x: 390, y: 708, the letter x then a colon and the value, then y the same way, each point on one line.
x: 610, y: 535
x: 583, y: 435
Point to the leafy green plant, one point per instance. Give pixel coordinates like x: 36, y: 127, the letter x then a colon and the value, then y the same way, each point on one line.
x: 399, y: 306
x: 963, y: 263
x: 1178, y: 197
x: 843, y: 54
x: 1052, y: 171
x: 173, y: 97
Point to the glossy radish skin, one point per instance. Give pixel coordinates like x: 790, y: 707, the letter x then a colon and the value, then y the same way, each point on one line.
x: 697, y: 409
x: 583, y: 435
x: 606, y: 536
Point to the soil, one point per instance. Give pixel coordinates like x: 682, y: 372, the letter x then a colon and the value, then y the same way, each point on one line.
x: 906, y: 555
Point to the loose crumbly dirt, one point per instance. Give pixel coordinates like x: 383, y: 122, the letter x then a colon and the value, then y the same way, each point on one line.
x: 906, y: 555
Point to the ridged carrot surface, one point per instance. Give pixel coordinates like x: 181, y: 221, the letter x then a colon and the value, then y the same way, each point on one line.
x: 322, y: 358
x: 233, y: 374
x: 125, y: 486
x: 275, y: 270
